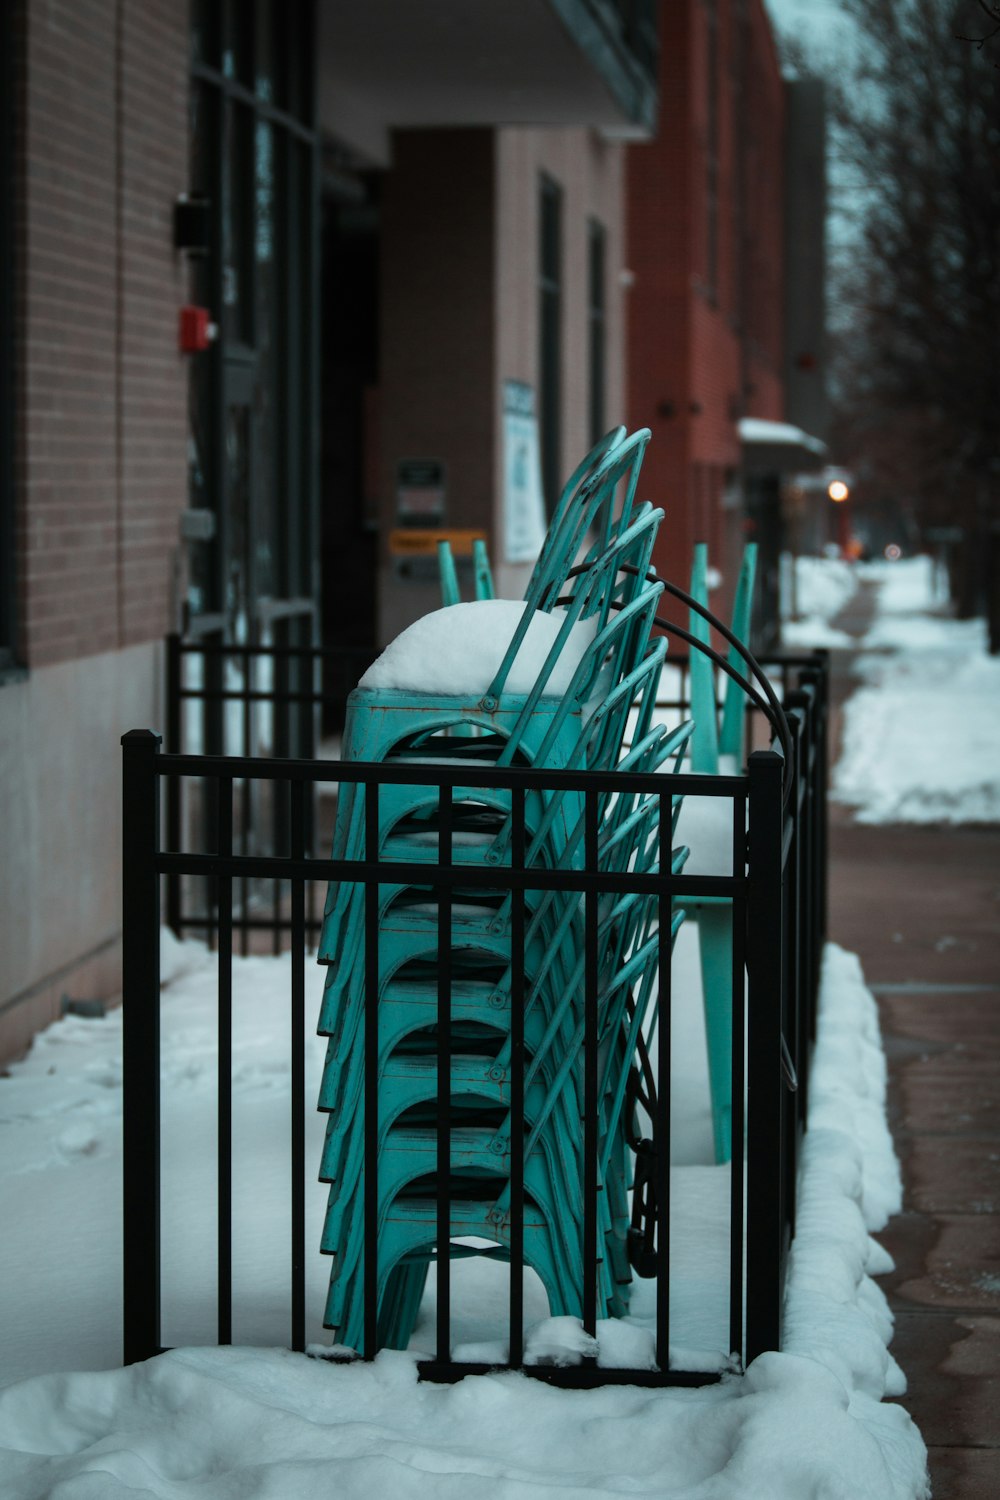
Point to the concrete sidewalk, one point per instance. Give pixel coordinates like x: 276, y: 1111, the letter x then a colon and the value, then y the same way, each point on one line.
x: 921, y: 906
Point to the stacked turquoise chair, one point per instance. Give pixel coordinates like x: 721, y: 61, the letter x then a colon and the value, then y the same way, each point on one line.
x: 714, y: 750
x: 594, y: 568
x: 481, y: 573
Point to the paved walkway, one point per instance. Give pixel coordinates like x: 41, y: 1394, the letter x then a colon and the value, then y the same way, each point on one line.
x: 921, y: 906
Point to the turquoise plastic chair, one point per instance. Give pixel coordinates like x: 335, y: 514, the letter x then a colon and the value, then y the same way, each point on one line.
x: 712, y: 751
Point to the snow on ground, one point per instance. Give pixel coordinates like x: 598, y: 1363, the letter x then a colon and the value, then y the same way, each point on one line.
x: 819, y: 590
x: 253, y: 1422
x: 921, y: 740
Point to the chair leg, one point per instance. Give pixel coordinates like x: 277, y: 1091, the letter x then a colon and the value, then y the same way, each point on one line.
x: 715, y: 940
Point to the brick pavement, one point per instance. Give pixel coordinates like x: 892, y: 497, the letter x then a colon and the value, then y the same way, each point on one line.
x: 921, y: 906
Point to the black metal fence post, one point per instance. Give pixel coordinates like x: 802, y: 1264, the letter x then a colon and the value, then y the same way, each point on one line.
x: 174, y: 785
x: 141, y: 1045
x: 765, y: 967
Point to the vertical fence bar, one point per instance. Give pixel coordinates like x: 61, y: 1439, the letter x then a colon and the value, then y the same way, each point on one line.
x: 765, y: 950
x: 515, y: 1353
x: 371, y: 1074
x: 802, y: 702
x: 590, y: 1099
x: 140, y: 1047
x: 298, y: 1123
x: 224, y: 906
x: 794, y: 928
x: 444, y: 1084
x: 282, y: 744
x: 246, y: 805
x: 661, y: 1124
x: 736, y: 1186
x: 173, y: 787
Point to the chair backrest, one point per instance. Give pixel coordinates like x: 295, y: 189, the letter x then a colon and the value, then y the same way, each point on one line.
x: 449, y: 578
x: 707, y: 743
x: 705, y: 739
x: 733, y: 729
x: 580, y: 540
x: 583, y: 471
x: 621, y: 604
x: 481, y: 570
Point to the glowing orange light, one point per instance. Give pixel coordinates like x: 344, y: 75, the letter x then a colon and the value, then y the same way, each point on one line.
x: 837, y: 490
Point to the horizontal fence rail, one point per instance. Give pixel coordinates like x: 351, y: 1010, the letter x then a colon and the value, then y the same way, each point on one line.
x: 775, y: 892
x: 267, y: 700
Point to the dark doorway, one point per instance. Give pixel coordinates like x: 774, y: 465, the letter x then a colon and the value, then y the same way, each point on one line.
x: 349, y: 376
x: 253, y: 477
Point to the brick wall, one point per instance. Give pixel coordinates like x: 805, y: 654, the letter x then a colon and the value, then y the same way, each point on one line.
x: 704, y: 344
x: 103, y: 389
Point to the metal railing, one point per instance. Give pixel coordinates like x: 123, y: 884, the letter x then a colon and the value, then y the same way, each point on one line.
x: 266, y: 700
x: 777, y: 893
x: 247, y: 700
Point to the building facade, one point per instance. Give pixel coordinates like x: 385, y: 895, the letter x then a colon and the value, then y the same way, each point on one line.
x: 710, y: 337
x: 289, y: 288
x: 280, y: 280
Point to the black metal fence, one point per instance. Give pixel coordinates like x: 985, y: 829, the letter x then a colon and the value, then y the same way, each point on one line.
x: 777, y: 893
x: 269, y: 700
x: 248, y: 700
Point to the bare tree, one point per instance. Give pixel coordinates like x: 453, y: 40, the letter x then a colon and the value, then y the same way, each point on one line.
x: 918, y: 363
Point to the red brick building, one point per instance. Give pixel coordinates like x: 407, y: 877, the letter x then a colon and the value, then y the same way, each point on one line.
x: 706, y: 233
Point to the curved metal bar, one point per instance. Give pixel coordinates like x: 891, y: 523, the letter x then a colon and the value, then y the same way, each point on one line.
x: 768, y: 705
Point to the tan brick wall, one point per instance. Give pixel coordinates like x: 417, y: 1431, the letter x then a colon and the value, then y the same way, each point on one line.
x: 459, y: 285
x: 103, y: 387
x: 590, y: 173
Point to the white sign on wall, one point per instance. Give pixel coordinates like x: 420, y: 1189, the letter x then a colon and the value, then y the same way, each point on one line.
x: 524, y: 507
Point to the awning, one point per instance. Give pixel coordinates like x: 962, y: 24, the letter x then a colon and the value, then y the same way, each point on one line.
x: 778, y: 447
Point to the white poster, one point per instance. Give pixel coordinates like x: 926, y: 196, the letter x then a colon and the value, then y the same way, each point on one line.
x: 524, y: 507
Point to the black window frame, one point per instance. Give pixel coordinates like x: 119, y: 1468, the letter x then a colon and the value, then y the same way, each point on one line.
x: 597, y: 318
x: 230, y: 93
x: 550, y: 318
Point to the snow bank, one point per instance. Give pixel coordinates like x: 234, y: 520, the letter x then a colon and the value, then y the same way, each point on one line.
x: 908, y: 586
x: 264, y: 1424
x: 920, y: 737
x: 823, y: 585
x: 457, y: 651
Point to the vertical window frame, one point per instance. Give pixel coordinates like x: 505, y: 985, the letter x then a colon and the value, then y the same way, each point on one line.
x: 550, y: 325
x: 287, y: 105
x: 597, y: 321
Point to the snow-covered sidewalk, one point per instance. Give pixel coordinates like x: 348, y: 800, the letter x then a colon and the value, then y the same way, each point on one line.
x: 922, y: 732
x: 255, y: 1422
x: 259, y: 1422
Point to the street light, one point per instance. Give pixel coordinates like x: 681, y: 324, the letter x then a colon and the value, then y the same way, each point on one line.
x: 839, y: 493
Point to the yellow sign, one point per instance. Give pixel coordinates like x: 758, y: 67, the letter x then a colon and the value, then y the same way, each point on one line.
x: 420, y: 541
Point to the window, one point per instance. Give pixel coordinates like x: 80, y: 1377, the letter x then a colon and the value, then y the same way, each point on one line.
x: 251, y: 400
x: 550, y: 336
x: 596, y: 309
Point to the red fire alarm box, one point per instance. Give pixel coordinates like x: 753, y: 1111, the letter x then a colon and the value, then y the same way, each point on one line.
x: 195, y: 330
